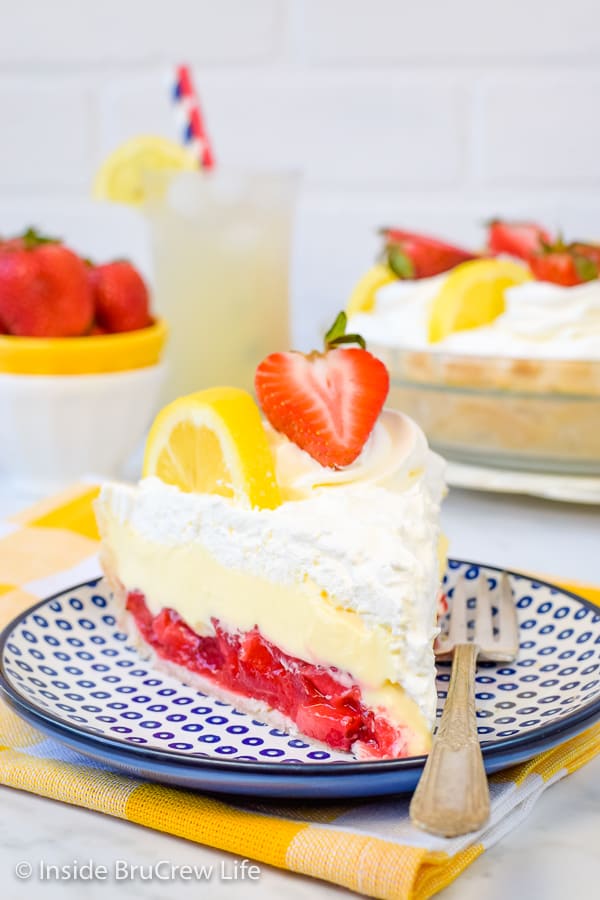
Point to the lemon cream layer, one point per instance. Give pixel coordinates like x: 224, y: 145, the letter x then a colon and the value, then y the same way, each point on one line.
x: 347, y: 577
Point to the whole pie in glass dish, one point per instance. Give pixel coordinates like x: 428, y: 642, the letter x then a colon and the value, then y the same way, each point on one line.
x: 496, y: 355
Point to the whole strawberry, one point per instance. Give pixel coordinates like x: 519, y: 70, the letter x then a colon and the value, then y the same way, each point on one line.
x: 44, y: 288
x: 120, y: 297
x: 326, y: 403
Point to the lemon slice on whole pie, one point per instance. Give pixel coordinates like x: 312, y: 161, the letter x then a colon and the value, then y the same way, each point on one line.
x: 214, y: 442
x: 473, y: 295
x: 120, y: 178
x: 362, y: 298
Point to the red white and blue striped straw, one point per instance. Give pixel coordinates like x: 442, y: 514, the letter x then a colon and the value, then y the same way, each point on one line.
x: 186, y: 102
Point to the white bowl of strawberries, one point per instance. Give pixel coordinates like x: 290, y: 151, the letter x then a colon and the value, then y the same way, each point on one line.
x: 80, y: 363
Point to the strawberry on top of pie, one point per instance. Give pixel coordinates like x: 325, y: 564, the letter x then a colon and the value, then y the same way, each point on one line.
x: 290, y: 566
x: 527, y: 295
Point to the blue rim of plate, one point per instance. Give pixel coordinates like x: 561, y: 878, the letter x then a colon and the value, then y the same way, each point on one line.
x: 327, y: 785
x: 533, y: 741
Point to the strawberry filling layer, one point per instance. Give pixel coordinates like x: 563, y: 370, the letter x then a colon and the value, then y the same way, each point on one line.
x: 312, y: 696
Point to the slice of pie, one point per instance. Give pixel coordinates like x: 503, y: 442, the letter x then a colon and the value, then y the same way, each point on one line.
x: 289, y: 565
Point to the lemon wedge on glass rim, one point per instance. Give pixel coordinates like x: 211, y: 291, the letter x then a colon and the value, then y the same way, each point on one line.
x: 120, y: 178
x: 214, y: 442
x: 472, y: 295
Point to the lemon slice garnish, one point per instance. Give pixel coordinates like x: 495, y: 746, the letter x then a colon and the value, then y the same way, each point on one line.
x: 362, y: 298
x: 473, y: 295
x: 214, y: 442
x: 120, y: 178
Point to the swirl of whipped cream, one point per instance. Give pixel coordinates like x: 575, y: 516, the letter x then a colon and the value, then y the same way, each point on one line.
x: 395, y: 456
x: 541, y: 311
x: 541, y: 321
x: 401, y: 314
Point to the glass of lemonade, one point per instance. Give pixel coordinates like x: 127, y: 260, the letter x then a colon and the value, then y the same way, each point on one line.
x: 221, y: 252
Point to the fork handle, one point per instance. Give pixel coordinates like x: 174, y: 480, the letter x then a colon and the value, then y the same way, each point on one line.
x: 452, y: 797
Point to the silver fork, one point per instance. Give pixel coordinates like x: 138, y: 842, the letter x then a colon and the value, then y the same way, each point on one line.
x: 452, y: 797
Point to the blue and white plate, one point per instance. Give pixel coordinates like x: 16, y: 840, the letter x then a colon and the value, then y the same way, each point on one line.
x: 67, y: 669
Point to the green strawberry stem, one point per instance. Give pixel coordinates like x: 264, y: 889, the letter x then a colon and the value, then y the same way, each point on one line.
x: 394, y: 257
x: 337, y: 334
x: 585, y: 268
x: 32, y: 238
x: 400, y: 264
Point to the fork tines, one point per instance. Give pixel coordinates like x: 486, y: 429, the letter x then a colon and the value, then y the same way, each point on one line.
x: 498, y: 644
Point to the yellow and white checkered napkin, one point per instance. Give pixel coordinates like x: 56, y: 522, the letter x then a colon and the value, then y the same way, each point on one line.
x: 367, y: 847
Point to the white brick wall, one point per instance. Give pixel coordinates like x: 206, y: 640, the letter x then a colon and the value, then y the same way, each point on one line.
x: 457, y: 31
x: 542, y: 129
x: 72, y: 33
x: 46, y: 133
x: 434, y: 115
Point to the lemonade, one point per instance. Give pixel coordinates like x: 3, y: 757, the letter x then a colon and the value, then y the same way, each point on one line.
x: 221, y: 247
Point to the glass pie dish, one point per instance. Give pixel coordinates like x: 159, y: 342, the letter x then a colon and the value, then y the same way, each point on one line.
x: 525, y: 414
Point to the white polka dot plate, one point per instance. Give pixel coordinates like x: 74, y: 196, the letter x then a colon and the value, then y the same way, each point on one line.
x: 67, y: 669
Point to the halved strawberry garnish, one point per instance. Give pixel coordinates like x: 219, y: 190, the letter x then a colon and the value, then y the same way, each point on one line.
x: 411, y: 255
x: 520, y: 239
x: 589, y: 251
x: 326, y: 403
x: 566, y: 264
x: 558, y: 268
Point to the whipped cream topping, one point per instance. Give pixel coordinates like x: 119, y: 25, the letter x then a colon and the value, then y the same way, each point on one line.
x: 540, y: 311
x: 401, y: 313
x: 394, y: 456
x: 541, y: 320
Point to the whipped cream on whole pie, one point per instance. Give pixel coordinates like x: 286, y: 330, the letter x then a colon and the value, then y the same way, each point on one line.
x: 528, y: 295
x: 290, y: 565
x: 541, y: 320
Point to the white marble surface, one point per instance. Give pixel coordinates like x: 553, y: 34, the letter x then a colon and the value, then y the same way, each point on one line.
x: 524, y: 533
x: 554, y: 854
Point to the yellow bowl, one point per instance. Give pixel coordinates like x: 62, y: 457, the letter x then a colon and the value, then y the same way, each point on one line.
x: 83, y: 355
